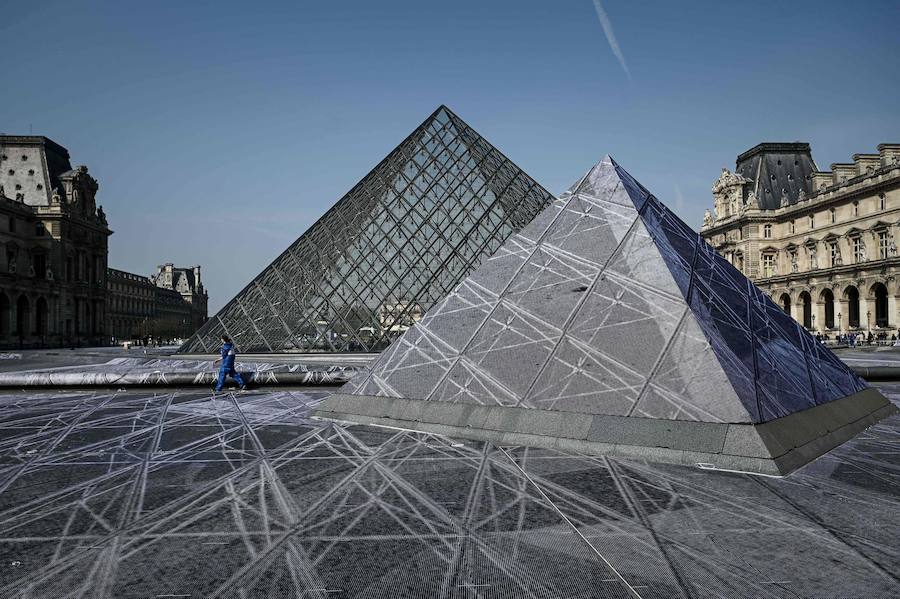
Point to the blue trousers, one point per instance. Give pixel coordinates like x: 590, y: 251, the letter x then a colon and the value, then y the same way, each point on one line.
x: 228, y: 371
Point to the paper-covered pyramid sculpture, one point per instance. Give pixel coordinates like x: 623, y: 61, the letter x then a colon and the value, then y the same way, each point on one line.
x: 608, y: 326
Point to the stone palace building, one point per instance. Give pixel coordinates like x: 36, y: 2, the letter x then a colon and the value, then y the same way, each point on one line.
x: 54, y: 247
x: 822, y: 244
x: 171, y: 304
x: 55, y: 286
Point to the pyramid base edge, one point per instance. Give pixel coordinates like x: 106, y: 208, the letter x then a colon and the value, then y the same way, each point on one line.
x: 774, y: 448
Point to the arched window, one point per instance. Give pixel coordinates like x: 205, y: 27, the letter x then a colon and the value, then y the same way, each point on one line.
x: 4, y: 315
x: 806, y: 301
x: 851, y: 294
x: 23, y: 316
x: 812, y: 221
x: 828, y: 300
x: 41, y: 313
x: 881, y: 305
x: 785, y: 302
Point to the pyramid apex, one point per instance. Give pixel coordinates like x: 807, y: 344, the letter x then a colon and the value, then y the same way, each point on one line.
x: 597, y: 178
x: 444, y: 108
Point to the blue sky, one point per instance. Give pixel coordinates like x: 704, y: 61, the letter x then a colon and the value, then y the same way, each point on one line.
x: 220, y: 131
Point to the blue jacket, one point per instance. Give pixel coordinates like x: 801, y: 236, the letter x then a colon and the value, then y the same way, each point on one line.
x: 228, y: 355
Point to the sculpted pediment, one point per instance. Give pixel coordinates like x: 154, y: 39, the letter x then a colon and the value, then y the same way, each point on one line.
x: 727, y: 180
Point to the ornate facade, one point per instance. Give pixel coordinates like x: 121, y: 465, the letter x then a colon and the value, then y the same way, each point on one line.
x: 132, y: 305
x: 170, y: 304
x: 822, y: 244
x: 182, y: 297
x: 54, y: 237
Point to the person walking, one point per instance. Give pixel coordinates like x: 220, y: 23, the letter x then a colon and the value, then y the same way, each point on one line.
x: 227, y: 368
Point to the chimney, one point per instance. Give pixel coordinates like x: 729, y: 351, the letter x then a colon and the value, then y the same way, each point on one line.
x: 197, y: 276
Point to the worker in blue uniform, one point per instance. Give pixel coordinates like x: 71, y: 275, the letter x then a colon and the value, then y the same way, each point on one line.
x: 227, y: 368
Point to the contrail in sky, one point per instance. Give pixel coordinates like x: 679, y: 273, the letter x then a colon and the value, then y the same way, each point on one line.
x: 610, y: 36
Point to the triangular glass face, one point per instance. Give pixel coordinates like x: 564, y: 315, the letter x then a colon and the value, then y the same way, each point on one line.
x: 428, y: 214
x: 608, y: 304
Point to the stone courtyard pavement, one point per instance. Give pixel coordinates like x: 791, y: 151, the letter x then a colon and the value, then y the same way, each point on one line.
x: 179, y: 494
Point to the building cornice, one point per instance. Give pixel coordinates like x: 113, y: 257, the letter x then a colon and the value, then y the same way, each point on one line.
x: 774, y: 147
x: 33, y: 140
x: 888, y: 178
x: 829, y: 272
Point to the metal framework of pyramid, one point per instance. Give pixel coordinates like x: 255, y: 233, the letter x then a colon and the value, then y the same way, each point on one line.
x: 399, y: 241
x: 609, y: 326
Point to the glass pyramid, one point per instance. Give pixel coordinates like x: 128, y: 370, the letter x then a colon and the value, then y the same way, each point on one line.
x: 609, y: 319
x: 394, y: 245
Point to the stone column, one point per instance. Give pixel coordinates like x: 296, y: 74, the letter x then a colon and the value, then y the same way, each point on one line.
x: 797, y: 309
x: 842, y: 316
x: 14, y: 332
x: 819, y: 311
x: 837, y: 311
x: 11, y: 321
x: 864, y: 307
x: 892, y: 311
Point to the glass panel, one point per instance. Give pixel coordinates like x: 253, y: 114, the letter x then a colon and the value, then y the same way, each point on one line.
x: 398, y: 242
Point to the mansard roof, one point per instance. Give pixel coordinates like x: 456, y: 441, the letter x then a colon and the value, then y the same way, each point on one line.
x: 776, y: 169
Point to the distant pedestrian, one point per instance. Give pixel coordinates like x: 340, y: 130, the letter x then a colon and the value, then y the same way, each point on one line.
x: 227, y: 368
